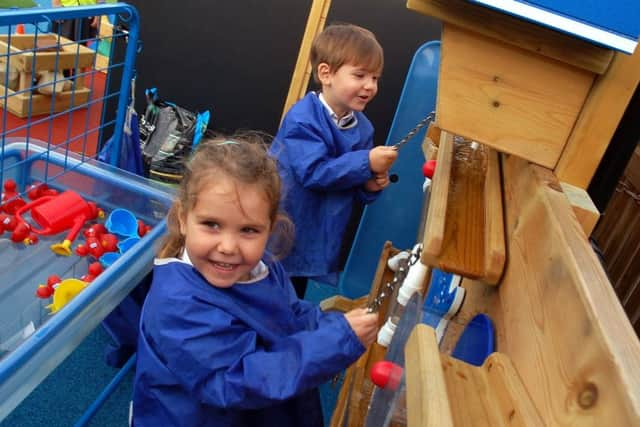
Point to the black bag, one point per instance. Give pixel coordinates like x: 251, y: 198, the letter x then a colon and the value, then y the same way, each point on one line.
x: 167, y: 133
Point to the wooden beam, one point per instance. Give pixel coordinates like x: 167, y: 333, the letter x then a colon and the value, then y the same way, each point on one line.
x: 436, y: 219
x: 598, y: 120
x: 302, y: 72
x: 505, y: 97
x: 582, y: 205
x: 562, y: 325
x: 427, y: 401
x: 525, y: 35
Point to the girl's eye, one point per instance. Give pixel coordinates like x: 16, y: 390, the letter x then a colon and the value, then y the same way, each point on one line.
x: 211, y: 224
x: 249, y: 230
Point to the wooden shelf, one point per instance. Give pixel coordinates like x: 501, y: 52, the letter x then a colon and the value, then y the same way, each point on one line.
x: 464, y: 232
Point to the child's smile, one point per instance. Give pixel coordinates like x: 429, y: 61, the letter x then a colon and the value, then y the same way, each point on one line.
x: 349, y: 88
x: 226, y: 231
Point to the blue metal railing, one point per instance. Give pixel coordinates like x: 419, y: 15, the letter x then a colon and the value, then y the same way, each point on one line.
x: 53, y: 138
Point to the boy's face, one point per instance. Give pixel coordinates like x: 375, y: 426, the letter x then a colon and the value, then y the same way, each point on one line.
x: 350, y: 87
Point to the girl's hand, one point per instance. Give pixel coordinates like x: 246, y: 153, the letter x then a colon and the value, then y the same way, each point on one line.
x: 381, y: 158
x: 364, y: 324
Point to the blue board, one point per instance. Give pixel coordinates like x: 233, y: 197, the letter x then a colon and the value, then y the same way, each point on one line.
x: 395, y: 216
x: 614, y: 23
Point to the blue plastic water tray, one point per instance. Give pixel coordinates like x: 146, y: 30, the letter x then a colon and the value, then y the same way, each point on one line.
x: 614, y: 24
x: 33, y: 342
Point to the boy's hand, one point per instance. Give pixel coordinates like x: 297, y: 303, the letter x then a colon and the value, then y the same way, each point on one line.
x: 364, y: 324
x: 381, y: 158
x: 377, y: 183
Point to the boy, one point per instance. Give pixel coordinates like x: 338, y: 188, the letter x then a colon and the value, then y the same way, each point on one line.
x: 325, y: 153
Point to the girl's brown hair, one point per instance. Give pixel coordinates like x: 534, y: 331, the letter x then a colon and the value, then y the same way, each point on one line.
x: 243, y: 158
x: 341, y: 44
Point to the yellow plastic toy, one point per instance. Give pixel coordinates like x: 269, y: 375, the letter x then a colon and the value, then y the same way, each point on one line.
x: 65, y: 292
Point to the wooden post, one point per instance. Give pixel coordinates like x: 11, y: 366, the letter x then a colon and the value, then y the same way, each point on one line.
x: 302, y: 72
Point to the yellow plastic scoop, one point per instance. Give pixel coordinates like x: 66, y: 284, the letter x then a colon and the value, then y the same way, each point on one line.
x: 65, y: 292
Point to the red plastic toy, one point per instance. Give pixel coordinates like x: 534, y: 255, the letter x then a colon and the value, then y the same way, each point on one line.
x: 97, y: 242
x: 55, y: 214
x: 429, y: 168
x: 37, y: 190
x: 95, y: 268
x: 386, y: 374
x: 7, y: 223
x: 11, y: 200
x: 45, y: 291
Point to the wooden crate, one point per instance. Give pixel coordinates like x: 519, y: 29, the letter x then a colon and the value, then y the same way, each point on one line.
x: 50, y: 54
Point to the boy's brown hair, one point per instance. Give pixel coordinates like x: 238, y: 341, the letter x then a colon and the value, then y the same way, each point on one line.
x: 341, y: 44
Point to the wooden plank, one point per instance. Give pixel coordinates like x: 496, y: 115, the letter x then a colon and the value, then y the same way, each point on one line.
x: 18, y: 103
x: 623, y: 219
x: 513, y: 404
x: 619, y: 259
x: 564, y: 329
x: 463, y: 243
x: 427, y: 402
x: 443, y: 391
x: 431, y: 142
x: 582, y: 205
x: 25, y: 80
x: 624, y: 270
x: 343, y: 304
x: 599, y: 120
x: 494, y: 245
x: 525, y: 35
x: 71, y: 55
x: 603, y: 234
x: 436, y: 218
x: 302, y: 72
x: 491, y: 395
x: 472, y: 243
x: 355, y: 394
x: 500, y: 95
x: 632, y: 171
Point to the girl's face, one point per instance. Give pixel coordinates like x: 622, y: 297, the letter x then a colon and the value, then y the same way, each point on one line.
x: 227, y: 230
x: 350, y: 87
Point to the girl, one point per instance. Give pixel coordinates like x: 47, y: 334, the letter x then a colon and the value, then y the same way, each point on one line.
x: 224, y: 341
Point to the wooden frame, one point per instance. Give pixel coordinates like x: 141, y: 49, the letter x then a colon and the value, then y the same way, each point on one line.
x: 302, y: 72
x: 28, y: 59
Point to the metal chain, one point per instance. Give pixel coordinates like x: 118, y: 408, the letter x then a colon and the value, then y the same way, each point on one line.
x: 422, y: 123
x: 625, y: 187
x: 398, y: 278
